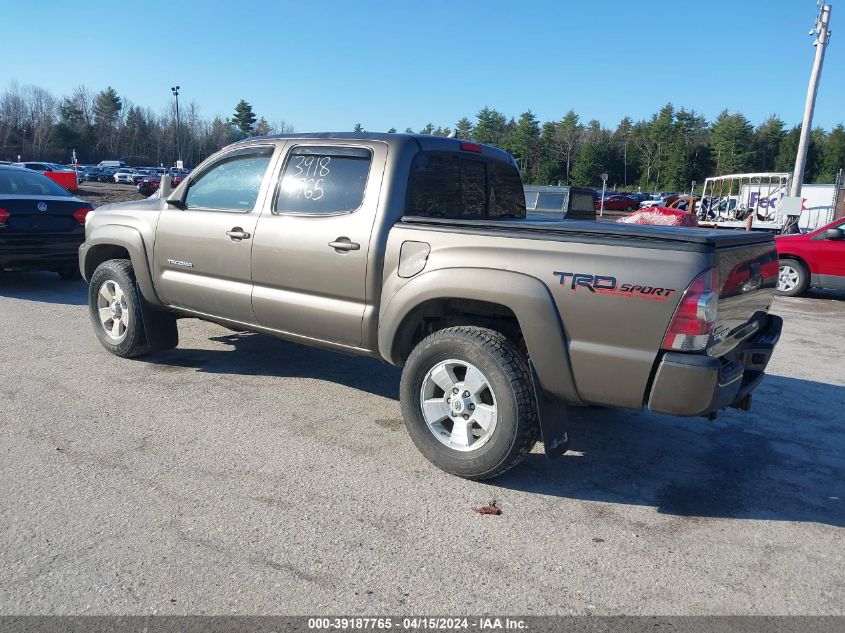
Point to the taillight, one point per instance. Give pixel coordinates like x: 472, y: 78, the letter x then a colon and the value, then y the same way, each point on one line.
x: 692, y: 323
x: 466, y: 146
x: 81, y: 214
x: 4, y: 215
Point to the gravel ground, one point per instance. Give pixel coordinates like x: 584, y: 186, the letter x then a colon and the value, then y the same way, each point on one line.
x: 239, y: 474
x: 100, y: 193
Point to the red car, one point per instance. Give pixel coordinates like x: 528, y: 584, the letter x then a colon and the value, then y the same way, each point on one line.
x: 150, y: 184
x: 812, y: 260
x: 617, y: 203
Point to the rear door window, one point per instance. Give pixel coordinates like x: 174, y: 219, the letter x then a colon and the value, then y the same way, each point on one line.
x: 323, y: 180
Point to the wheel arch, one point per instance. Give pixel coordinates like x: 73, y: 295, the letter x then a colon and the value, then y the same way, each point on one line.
x: 118, y: 242
x: 518, y: 305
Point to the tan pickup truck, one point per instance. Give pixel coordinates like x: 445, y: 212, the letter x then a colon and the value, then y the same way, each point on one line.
x: 417, y: 250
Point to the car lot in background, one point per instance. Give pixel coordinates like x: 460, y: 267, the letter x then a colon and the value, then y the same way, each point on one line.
x: 41, y: 224
x: 812, y: 260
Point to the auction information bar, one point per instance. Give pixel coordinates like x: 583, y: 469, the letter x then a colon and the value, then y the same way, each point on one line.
x: 562, y: 624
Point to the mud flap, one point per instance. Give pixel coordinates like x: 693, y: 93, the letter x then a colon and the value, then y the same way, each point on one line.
x: 552, y: 416
x: 159, y: 326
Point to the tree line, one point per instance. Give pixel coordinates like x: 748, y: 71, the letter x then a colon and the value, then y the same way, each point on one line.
x: 666, y: 151
x: 663, y: 152
x: 36, y: 125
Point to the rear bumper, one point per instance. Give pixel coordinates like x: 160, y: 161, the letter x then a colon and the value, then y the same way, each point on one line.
x: 40, y: 254
x: 691, y: 385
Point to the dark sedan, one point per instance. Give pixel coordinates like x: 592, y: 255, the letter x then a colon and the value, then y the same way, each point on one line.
x: 41, y: 224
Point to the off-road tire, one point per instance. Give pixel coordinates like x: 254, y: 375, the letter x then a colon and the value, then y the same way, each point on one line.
x: 517, y: 427
x: 134, y: 342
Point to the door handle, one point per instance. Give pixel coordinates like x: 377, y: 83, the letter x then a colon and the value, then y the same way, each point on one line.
x: 344, y: 245
x: 237, y: 234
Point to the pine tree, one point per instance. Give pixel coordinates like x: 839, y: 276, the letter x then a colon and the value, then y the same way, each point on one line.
x: 730, y: 140
x: 490, y: 127
x: 107, y: 106
x: 523, y: 143
x: 392, y: 130
x: 262, y: 128
x: 463, y: 128
x: 244, y: 118
x: 767, y: 139
x: 833, y: 155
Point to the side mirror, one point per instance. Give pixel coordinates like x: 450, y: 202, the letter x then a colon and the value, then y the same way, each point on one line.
x: 177, y: 203
x: 834, y: 234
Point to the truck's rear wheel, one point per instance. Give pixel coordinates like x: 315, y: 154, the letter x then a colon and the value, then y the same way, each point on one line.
x: 114, y: 304
x: 792, y: 278
x: 467, y: 402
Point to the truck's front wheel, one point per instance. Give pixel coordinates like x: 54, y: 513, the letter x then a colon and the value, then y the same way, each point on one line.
x: 467, y: 402
x: 114, y: 303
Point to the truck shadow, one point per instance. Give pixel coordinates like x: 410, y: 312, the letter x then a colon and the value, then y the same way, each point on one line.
x: 45, y: 287
x: 824, y: 293
x: 784, y: 460
x: 258, y: 355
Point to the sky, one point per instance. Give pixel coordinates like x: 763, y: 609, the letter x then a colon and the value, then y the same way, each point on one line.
x: 326, y: 65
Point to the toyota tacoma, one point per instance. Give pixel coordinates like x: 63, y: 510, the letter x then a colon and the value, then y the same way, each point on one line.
x: 417, y: 250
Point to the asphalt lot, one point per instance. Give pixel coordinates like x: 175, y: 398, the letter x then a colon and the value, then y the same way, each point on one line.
x: 238, y: 474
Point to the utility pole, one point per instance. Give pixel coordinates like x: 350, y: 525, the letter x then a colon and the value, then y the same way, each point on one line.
x: 820, y: 30
x: 175, y: 91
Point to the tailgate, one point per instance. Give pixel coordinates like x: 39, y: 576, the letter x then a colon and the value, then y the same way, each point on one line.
x: 747, y: 278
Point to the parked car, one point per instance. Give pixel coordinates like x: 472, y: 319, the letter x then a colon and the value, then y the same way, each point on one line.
x: 812, y: 260
x: 107, y: 174
x: 112, y: 163
x: 123, y: 175
x: 57, y: 173
x: 41, y: 223
x: 664, y: 200
x: 391, y: 246
x: 139, y: 174
x: 91, y: 173
x: 149, y: 185
x: 617, y: 203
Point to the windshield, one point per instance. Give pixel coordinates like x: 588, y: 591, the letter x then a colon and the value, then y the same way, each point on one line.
x: 29, y: 183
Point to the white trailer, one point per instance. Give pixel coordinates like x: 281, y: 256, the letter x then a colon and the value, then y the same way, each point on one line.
x: 733, y: 200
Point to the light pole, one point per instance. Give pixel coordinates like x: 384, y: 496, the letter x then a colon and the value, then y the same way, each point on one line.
x: 820, y: 30
x: 175, y: 91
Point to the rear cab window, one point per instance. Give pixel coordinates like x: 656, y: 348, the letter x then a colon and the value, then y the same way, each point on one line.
x: 452, y: 185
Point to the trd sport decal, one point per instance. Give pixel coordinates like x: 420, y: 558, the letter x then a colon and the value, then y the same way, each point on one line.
x: 607, y: 285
